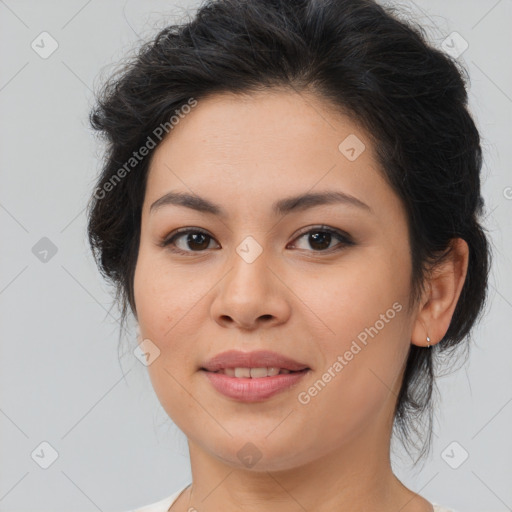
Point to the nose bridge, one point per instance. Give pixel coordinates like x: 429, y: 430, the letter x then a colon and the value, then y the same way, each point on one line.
x: 249, y: 274
x: 249, y: 291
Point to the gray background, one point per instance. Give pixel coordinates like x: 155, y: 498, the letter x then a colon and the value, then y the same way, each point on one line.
x: 61, y: 379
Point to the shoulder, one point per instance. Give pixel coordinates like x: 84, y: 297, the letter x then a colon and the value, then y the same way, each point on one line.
x: 439, y: 508
x: 162, y: 505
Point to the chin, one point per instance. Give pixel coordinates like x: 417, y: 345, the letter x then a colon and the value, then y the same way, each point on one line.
x: 258, y: 455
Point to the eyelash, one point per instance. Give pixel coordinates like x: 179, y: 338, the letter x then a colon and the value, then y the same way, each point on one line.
x: 345, y: 239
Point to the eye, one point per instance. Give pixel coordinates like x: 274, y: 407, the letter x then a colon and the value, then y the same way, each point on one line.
x: 196, y: 239
x: 320, y: 239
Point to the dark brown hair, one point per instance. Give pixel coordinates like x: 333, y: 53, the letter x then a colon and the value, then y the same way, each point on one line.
x: 356, y: 55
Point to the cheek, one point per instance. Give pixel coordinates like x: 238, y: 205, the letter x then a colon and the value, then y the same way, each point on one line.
x: 165, y: 308
x: 365, y: 312
x: 351, y: 297
x: 162, y: 296
x: 170, y: 307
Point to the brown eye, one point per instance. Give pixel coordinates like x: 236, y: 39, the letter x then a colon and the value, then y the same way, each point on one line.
x: 320, y: 239
x: 191, y: 240
x: 187, y: 240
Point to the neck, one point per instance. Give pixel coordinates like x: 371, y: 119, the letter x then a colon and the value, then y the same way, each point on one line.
x: 355, y: 477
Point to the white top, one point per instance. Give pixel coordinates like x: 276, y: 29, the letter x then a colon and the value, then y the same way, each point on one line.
x: 165, y: 504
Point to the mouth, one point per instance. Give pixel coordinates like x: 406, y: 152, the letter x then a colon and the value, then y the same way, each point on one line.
x: 253, y: 384
x: 252, y: 376
x: 254, y: 373
x: 252, y: 364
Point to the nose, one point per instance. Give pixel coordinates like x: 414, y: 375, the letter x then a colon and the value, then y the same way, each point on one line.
x: 252, y: 295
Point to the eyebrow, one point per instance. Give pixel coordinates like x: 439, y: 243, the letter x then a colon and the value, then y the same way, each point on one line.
x: 281, y: 207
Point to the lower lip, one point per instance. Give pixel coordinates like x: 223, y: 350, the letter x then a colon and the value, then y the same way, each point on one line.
x: 253, y: 390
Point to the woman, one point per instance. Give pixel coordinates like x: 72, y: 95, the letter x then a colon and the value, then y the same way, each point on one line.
x: 290, y: 209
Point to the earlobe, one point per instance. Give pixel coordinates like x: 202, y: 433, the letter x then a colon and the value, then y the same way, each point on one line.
x: 444, y: 286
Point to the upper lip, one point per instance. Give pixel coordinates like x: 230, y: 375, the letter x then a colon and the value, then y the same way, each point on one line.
x: 255, y: 359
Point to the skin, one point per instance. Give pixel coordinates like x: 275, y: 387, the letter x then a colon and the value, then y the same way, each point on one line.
x: 302, y: 300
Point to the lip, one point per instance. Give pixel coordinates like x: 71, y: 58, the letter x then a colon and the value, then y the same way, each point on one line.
x: 253, y: 390
x: 255, y: 359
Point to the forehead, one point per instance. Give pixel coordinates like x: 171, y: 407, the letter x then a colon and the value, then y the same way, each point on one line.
x: 252, y: 125
x: 265, y: 145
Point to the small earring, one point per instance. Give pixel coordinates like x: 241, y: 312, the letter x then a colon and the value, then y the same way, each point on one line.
x: 428, y: 342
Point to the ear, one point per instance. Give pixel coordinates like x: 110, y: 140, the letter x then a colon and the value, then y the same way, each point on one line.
x: 443, y: 288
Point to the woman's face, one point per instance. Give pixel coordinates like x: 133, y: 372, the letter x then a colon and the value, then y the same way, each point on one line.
x: 259, y: 278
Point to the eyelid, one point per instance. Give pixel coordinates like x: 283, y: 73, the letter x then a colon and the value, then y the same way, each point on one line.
x: 167, y: 240
x: 323, y: 228
x: 345, y: 239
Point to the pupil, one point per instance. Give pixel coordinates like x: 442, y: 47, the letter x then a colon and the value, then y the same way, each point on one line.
x: 318, y: 240
x: 320, y: 237
x: 192, y: 238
